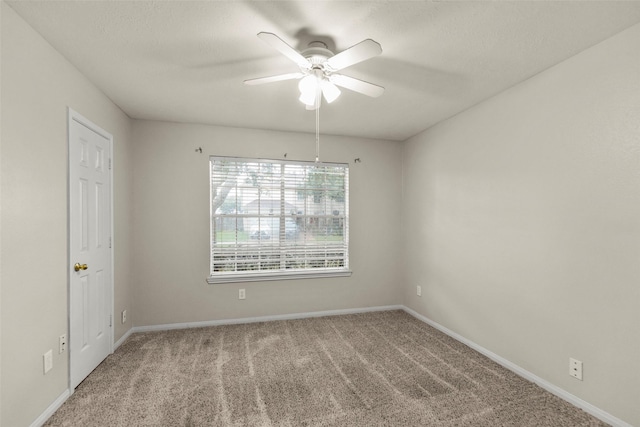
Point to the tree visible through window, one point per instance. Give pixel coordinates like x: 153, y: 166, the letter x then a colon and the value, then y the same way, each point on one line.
x: 273, y: 218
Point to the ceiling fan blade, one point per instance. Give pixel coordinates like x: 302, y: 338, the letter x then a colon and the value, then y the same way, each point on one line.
x: 281, y: 46
x: 364, y: 50
x: 270, y: 79
x: 356, y: 85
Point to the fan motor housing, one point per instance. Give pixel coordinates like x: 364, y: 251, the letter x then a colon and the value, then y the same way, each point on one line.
x: 317, y: 53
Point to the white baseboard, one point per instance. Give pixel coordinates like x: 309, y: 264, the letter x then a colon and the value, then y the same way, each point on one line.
x: 561, y: 393
x: 122, y: 339
x: 242, y: 320
x: 51, y: 409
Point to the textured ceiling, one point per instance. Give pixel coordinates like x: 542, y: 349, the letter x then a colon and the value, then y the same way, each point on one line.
x: 186, y: 61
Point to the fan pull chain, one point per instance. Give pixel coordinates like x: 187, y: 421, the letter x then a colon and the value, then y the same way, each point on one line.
x: 318, y: 134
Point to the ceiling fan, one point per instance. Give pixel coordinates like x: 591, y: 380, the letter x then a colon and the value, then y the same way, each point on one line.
x: 318, y: 69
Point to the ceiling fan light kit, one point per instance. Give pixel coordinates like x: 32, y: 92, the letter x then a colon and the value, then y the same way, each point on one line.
x: 314, y: 84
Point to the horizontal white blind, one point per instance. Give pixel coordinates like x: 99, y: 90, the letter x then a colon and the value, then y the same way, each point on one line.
x: 278, y: 216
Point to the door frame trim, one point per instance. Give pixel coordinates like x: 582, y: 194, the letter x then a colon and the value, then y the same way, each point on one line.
x: 72, y: 116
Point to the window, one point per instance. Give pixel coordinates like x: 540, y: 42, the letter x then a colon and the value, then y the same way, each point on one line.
x: 273, y: 219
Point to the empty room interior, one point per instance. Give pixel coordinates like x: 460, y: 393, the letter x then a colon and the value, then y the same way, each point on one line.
x: 344, y: 189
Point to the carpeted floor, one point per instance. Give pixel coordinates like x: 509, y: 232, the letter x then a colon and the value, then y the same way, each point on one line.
x: 373, y: 369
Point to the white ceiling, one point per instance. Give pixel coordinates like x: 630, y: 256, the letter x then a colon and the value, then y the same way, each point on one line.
x: 186, y: 61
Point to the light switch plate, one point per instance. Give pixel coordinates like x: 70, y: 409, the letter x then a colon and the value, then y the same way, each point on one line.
x: 47, y: 360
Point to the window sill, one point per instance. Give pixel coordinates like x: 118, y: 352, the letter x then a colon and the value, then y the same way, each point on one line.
x: 268, y: 276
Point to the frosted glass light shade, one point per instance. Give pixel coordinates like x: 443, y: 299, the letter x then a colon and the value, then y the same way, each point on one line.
x: 308, y: 89
x: 308, y: 98
x: 330, y: 91
x: 308, y: 84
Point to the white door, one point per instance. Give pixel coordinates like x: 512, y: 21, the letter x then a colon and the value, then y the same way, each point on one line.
x: 90, y: 283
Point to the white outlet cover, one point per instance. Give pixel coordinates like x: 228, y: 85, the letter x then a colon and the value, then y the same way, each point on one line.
x: 575, y: 368
x: 63, y: 343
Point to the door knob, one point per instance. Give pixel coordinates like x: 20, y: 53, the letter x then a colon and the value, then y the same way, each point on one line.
x: 79, y: 267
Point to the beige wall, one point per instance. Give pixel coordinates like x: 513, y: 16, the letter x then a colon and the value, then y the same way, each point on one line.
x: 37, y: 86
x: 522, y: 214
x: 523, y: 224
x: 171, y: 225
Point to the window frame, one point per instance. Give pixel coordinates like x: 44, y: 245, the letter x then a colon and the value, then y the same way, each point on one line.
x: 277, y: 274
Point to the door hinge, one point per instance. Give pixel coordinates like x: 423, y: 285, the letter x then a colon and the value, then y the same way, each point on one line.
x: 110, y: 320
x: 109, y: 242
x: 109, y: 164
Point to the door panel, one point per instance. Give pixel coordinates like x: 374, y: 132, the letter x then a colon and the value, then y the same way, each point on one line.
x: 90, y: 284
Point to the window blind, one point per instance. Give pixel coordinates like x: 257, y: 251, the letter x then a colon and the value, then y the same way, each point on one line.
x: 278, y: 218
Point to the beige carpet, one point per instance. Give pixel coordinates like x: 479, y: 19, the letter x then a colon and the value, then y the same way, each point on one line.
x: 373, y: 369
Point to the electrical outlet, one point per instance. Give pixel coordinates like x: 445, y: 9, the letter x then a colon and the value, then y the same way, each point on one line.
x: 419, y: 290
x: 575, y: 368
x: 124, y: 316
x: 241, y: 294
x: 63, y: 343
x: 47, y: 360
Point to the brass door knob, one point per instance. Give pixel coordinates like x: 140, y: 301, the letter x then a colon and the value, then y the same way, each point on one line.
x: 79, y: 267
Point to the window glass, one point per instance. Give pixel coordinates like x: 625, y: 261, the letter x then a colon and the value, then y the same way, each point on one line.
x: 277, y: 217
